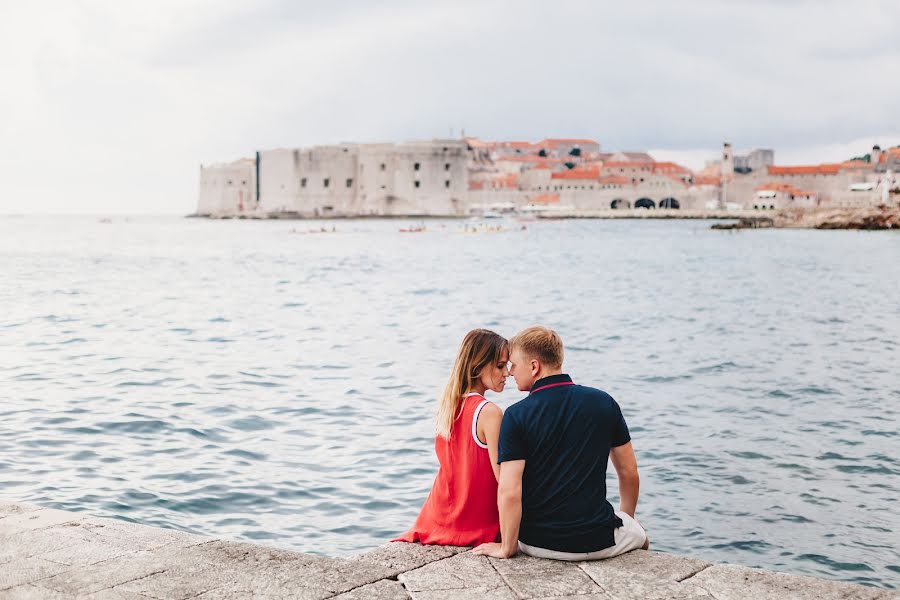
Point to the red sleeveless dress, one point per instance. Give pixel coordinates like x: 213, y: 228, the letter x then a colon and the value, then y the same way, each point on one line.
x: 461, y: 509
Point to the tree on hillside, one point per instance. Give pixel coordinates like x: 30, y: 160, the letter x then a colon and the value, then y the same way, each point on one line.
x: 575, y: 152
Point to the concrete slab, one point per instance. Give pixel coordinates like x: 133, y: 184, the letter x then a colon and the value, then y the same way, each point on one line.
x: 401, y: 557
x: 27, y: 570
x: 50, y: 554
x: 642, y: 565
x: 113, y: 594
x: 32, y: 592
x: 474, y: 593
x: 141, y: 537
x: 386, y: 589
x: 648, y: 589
x: 37, y: 519
x: 277, y: 593
x: 552, y: 584
x: 11, y: 508
x: 25, y: 544
x: 465, y: 570
x: 266, y: 565
x: 181, y: 582
x: 523, y: 564
x: 730, y: 582
x: 595, y: 596
x: 103, y: 575
x: 87, y: 552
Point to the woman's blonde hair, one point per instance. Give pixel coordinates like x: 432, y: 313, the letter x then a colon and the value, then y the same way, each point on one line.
x: 479, y: 348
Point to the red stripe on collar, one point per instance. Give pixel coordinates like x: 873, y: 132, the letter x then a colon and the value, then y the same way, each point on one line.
x: 550, y: 385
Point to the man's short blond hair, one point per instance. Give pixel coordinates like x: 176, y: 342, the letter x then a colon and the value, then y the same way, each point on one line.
x: 541, y: 343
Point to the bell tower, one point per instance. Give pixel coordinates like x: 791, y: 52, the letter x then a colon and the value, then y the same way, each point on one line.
x: 727, y: 173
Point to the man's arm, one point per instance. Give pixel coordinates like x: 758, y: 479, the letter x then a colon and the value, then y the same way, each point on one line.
x: 509, y: 503
x: 625, y: 463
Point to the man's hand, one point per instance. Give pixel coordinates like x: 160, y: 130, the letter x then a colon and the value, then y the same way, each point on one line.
x: 493, y: 549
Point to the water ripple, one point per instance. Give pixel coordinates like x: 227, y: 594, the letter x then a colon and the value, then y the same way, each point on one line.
x: 232, y: 379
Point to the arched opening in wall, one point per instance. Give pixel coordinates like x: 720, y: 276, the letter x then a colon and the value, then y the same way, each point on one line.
x: 619, y: 203
x: 669, y: 203
x: 645, y: 203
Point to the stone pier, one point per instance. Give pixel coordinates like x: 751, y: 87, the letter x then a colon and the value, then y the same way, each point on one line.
x: 48, y: 554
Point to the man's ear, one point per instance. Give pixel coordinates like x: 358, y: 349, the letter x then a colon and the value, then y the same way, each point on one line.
x: 535, y: 366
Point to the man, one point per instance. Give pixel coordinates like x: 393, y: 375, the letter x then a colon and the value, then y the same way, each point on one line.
x: 553, y: 452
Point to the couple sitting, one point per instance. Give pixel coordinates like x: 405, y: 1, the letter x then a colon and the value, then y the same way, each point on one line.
x: 533, y: 478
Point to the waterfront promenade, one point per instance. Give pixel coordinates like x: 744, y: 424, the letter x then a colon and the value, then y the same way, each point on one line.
x: 48, y: 554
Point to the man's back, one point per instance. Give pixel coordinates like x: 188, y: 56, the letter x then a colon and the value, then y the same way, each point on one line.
x: 564, y: 433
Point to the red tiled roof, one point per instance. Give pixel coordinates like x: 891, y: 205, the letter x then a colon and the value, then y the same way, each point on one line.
x: 676, y: 177
x: 774, y: 186
x: 614, y: 179
x: 545, y: 199
x: 529, y: 158
x: 578, y: 173
x: 639, y: 157
x: 787, y: 188
x: 824, y: 169
x: 554, y: 142
x: 669, y: 167
x: 627, y: 164
x: 856, y: 164
x: 707, y: 180
x: 516, y: 145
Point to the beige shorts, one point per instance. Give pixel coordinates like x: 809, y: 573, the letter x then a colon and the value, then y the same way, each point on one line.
x: 630, y: 536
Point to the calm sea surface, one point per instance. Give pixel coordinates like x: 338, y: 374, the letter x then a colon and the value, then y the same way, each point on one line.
x: 254, y: 381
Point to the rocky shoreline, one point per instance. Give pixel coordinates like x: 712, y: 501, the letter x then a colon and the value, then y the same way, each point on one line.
x: 870, y: 219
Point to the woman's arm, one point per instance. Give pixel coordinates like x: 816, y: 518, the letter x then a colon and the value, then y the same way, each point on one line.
x: 488, y: 428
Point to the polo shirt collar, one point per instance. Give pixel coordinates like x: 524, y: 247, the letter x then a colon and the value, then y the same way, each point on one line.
x: 553, y: 380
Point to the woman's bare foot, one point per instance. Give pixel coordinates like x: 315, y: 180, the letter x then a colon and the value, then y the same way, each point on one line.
x: 646, y: 545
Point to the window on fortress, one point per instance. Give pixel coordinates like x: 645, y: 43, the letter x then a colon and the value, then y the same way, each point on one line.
x: 326, y: 182
x: 229, y: 182
x: 383, y: 166
x: 349, y: 183
x: 447, y: 184
x: 243, y: 182
x: 418, y: 183
x: 416, y: 166
x: 303, y: 182
x: 446, y: 166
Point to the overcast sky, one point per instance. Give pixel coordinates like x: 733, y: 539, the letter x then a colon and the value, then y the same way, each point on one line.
x: 111, y: 106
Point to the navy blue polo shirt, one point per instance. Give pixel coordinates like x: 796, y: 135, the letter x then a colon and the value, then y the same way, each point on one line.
x: 564, y: 433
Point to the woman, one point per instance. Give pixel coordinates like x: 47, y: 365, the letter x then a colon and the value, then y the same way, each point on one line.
x: 461, y: 509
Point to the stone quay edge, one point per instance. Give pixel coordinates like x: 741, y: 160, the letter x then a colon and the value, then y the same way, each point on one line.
x: 48, y: 554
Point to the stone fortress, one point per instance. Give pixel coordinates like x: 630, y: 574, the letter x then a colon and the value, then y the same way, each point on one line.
x: 460, y: 177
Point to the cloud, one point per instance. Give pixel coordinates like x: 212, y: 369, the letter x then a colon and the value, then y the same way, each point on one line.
x: 111, y: 106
